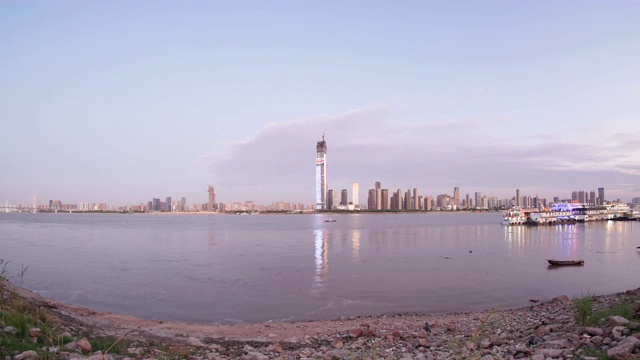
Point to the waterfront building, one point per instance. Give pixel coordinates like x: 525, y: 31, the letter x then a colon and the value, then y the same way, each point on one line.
x: 211, y: 205
x: 321, y: 174
x: 414, y: 199
x: 518, y: 198
x: 407, y: 200
x: 167, y: 206
x: 467, y: 201
x: 378, y: 195
x: 385, y: 205
x: 456, y: 197
x: 399, y: 201
x: 428, y: 203
x: 344, y: 198
x: 478, y: 200
x: 601, y: 196
x: 371, y: 199
x: 355, y: 195
x: 330, y: 203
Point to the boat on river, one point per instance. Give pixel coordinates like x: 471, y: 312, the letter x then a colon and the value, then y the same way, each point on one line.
x: 331, y: 220
x: 565, y: 262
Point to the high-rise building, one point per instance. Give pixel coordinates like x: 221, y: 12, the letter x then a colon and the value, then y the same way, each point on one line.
x: 321, y: 175
x: 415, y: 200
x: 378, y: 195
x: 371, y: 199
x: 478, y: 199
x: 330, y: 200
x: 385, y: 205
x: 601, y: 196
x: 167, y: 206
x: 456, y: 196
x: 355, y: 195
x: 407, y: 200
x: 211, y: 205
x: 518, y: 198
x: 344, y: 198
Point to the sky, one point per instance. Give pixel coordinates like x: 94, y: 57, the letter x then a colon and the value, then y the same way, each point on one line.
x: 124, y: 101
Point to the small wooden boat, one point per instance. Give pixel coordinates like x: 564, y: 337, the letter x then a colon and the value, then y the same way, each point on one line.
x: 565, y: 262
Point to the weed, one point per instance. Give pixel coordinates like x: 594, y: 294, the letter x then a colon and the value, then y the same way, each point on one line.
x: 587, y: 316
x: 485, y: 323
x: 23, y: 271
x: 584, y: 308
x: 598, y: 354
x: 179, y: 353
x: 111, y: 345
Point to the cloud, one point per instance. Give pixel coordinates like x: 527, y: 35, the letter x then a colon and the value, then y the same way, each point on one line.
x: 370, y: 144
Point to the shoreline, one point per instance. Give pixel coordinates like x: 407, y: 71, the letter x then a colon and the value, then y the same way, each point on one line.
x: 500, y: 334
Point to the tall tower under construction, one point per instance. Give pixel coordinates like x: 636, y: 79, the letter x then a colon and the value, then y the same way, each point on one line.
x: 321, y: 174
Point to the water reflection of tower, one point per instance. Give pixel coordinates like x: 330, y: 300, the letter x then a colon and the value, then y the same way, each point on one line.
x: 322, y: 260
x: 355, y: 243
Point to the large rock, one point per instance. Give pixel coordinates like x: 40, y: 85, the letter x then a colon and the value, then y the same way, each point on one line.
x: 254, y: 355
x: 84, y: 345
x: 549, y: 353
x: 27, y: 355
x: 562, y: 299
x: 618, y: 321
x: 35, y: 332
x: 624, y: 349
x: 594, y: 331
x: 195, y: 342
x: 10, y: 330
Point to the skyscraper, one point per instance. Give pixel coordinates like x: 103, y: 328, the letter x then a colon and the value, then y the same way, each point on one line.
x: 378, y: 195
x: 212, y: 199
x: 456, y: 196
x: 601, y: 195
x: 344, y: 197
x: 355, y: 195
x: 384, y: 202
x: 330, y: 200
x: 321, y: 174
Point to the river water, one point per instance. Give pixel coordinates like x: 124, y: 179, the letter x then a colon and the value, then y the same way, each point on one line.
x: 254, y: 268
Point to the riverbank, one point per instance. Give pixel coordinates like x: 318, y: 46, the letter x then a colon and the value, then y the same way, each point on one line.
x: 555, y: 329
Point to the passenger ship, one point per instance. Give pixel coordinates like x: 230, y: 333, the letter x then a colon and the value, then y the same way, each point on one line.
x: 565, y: 212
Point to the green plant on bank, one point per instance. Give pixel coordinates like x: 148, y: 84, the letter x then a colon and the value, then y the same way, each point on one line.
x: 598, y: 354
x: 111, y: 345
x: 586, y: 315
x: 485, y: 323
x: 22, y: 316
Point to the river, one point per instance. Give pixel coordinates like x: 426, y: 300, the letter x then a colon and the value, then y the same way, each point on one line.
x: 255, y: 268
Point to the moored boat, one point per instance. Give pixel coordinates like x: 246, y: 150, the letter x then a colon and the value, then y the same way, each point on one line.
x: 514, y: 216
x: 565, y: 262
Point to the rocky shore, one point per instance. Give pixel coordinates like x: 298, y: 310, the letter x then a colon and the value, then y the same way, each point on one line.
x: 559, y: 329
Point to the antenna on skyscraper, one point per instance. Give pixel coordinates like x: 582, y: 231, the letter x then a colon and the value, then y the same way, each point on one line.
x: 325, y: 130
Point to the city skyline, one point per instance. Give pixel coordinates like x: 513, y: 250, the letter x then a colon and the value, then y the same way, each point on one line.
x: 102, y: 102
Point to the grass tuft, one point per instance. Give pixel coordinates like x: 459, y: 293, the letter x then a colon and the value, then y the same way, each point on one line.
x: 586, y: 315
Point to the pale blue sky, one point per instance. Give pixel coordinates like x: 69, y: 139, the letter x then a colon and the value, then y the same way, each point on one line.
x: 123, y: 101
